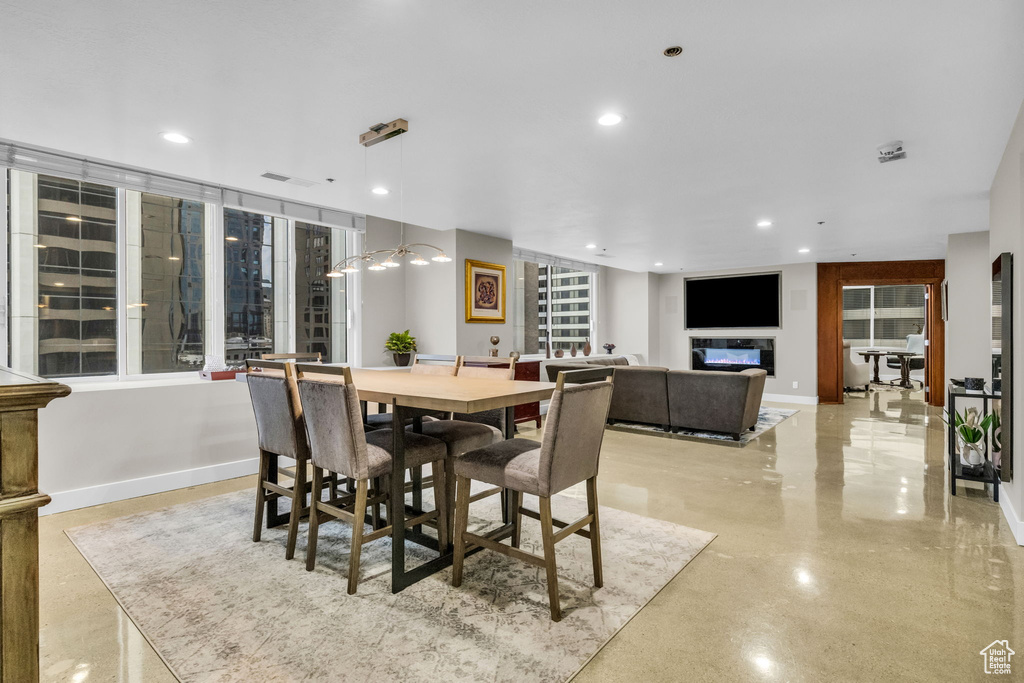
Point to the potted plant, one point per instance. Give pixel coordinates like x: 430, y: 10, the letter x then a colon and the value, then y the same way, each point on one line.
x: 970, y: 430
x: 401, y: 345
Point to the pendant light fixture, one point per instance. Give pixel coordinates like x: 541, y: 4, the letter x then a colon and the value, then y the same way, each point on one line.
x: 392, y: 258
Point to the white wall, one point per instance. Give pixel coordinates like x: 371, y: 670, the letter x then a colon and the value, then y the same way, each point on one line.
x: 624, y: 302
x: 969, y: 275
x: 1006, y: 233
x: 473, y: 339
x: 383, y: 296
x: 796, y: 352
x: 430, y: 310
x: 115, y: 440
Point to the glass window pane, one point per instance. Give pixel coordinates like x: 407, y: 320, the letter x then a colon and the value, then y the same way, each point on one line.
x: 320, y: 310
x: 172, y: 272
x: 569, y: 293
x: 248, y: 285
x: 77, y: 277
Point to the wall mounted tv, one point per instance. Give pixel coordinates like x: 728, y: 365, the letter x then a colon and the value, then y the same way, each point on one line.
x: 738, y: 301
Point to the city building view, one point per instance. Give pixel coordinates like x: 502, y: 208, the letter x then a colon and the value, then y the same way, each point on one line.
x: 553, y: 305
x: 249, y: 285
x: 313, y: 290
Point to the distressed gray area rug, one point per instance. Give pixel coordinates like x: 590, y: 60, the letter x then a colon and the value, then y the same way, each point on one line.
x: 767, y: 418
x: 218, y: 607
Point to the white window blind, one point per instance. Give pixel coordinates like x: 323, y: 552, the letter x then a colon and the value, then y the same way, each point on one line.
x: 549, y: 260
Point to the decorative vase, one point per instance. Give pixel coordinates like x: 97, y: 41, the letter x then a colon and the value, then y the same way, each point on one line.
x: 971, y: 454
x: 401, y: 359
x: 587, y: 348
x: 559, y: 353
x: 572, y: 350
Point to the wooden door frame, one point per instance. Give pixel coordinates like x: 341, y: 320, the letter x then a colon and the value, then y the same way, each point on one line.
x: 832, y: 277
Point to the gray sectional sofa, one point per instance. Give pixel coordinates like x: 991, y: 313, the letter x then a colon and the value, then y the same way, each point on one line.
x: 679, y: 399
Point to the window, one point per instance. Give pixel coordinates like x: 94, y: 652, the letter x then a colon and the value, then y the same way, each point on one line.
x: 63, y: 302
x: 248, y: 285
x: 567, y: 323
x: 883, y: 315
x: 320, y: 304
x: 166, y: 297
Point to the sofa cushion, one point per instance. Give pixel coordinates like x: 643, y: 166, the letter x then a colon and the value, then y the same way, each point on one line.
x: 715, y: 401
x: 640, y: 395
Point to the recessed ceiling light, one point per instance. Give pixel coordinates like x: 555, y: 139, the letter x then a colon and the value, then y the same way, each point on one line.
x: 658, y: 264
x: 764, y: 224
x: 805, y: 250
x: 673, y: 51
x: 610, y: 119
x: 591, y: 246
x: 176, y: 138
x: 380, y: 190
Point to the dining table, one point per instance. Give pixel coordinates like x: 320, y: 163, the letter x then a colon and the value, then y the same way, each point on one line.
x: 410, y: 395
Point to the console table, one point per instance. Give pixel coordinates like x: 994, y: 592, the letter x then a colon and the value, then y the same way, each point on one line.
x: 989, y: 472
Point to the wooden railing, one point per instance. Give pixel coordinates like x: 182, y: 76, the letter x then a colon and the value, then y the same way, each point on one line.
x: 21, y: 396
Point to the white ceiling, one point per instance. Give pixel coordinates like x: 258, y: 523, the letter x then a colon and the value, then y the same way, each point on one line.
x: 773, y: 111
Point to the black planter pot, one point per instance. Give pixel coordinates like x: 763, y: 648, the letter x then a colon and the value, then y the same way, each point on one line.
x: 402, y: 359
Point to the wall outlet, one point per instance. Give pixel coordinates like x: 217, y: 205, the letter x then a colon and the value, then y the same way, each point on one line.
x: 796, y: 385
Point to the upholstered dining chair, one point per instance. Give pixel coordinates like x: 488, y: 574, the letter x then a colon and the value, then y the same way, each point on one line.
x: 464, y: 432
x: 281, y: 433
x: 568, y: 454
x: 310, y: 357
x: 422, y: 364
x: 338, y: 444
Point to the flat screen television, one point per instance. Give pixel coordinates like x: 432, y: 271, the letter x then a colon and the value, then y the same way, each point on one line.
x: 739, y: 301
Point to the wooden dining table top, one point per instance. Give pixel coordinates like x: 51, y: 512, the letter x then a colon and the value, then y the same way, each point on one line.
x: 440, y: 392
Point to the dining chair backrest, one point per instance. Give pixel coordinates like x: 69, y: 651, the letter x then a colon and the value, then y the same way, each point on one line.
x: 915, y: 343
x: 446, y: 366
x: 275, y: 402
x: 487, y: 367
x: 334, y: 423
x: 573, y: 434
x: 311, y: 357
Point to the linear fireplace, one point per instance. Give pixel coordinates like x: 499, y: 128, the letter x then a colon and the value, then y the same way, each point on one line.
x: 733, y: 354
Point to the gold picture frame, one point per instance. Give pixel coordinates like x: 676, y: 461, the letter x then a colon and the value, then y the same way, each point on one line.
x: 485, y: 292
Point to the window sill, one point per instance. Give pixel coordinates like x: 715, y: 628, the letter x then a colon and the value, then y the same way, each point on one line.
x: 88, y: 385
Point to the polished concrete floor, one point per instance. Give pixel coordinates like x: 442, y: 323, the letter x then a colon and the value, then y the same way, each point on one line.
x: 840, y: 556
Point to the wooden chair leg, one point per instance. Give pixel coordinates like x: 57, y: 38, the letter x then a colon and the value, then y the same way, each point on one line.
x: 547, y: 532
x: 314, y: 521
x: 517, y: 518
x: 449, y: 493
x: 437, y: 469
x: 359, y: 511
x: 299, y: 486
x: 461, y: 523
x: 595, y: 531
x: 375, y: 509
x: 261, y: 497
x: 385, y: 483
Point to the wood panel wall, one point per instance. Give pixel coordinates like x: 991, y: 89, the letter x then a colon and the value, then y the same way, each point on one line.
x: 832, y: 277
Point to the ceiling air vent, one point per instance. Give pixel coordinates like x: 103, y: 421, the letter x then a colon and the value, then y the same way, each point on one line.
x: 891, y: 151
x: 281, y: 178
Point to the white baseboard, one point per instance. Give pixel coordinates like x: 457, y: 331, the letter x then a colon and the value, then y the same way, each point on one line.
x: 144, y: 486
x: 1012, y: 518
x: 786, y: 398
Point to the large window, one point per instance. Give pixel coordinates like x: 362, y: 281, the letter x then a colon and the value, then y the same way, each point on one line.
x: 248, y: 285
x: 553, y: 305
x: 166, y: 302
x: 320, y: 310
x: 883, y: 315
x: 75, y: 277
x: 132, y: 273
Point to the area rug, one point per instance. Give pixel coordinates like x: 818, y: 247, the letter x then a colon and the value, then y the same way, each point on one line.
x: 218, y: 607
x: 767, y: 418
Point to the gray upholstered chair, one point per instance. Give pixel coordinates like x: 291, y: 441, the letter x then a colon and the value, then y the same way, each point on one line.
x: 281, y: 433
x: 468, y: 431
x: 339, y: 444
x: 422, y: 364
x: 715, y: 401
x: 568, y: 454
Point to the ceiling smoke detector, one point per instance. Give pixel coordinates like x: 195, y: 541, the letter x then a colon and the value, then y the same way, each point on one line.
x: 673, y: 51
x: 891, y: 151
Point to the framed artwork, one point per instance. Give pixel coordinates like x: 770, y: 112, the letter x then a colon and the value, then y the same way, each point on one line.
x: 485, y: 292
